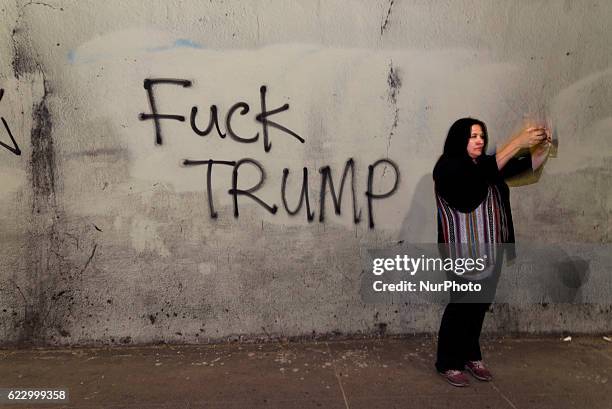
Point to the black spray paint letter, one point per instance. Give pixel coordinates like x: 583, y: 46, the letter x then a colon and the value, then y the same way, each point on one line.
x: 370, y: 192
x: 214, y: 120
x: 228, y: 121
x: 210, y: 163
x: 303, y: 195
x: 263, y: 118
x: 234, y: 191
x: 148, y: 85
x: 15, y: 148
x: 337, y: 199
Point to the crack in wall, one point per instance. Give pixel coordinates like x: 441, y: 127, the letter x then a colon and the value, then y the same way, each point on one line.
x: 385, y: 24
x: 395, y: 83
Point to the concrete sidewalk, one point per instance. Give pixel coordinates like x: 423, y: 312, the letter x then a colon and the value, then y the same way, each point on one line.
x: 381, y: 373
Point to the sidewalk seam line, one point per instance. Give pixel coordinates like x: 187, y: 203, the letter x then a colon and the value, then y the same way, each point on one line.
x: 503, y: 396
x: 604, y: 353
x: 337, y: 376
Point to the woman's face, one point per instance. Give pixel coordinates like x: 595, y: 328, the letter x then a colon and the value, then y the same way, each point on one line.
x: 476, y: 142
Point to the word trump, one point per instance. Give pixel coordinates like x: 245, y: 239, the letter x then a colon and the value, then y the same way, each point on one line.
x: 326, y: 180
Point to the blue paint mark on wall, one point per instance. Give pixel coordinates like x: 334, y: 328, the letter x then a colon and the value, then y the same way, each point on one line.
x: 184, y: 42
x: 71, y: 56
x: 179, y: 43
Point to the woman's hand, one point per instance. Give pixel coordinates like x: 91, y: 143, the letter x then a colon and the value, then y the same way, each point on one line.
x: 529, y: 137
x: 539, y: 152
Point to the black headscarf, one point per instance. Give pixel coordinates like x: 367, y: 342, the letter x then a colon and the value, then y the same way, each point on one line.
x: 460, y: 181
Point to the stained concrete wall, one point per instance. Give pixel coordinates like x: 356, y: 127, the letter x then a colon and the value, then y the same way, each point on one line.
x: 108, y: 236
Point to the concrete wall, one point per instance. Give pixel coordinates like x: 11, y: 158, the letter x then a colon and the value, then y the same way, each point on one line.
x: 107, y: 236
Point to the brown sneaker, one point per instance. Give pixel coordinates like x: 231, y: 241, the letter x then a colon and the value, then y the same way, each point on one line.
x: 479, y: 371
x: 456, y: 378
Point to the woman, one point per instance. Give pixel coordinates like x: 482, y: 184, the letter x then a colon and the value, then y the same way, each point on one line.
x: 474, y: 210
